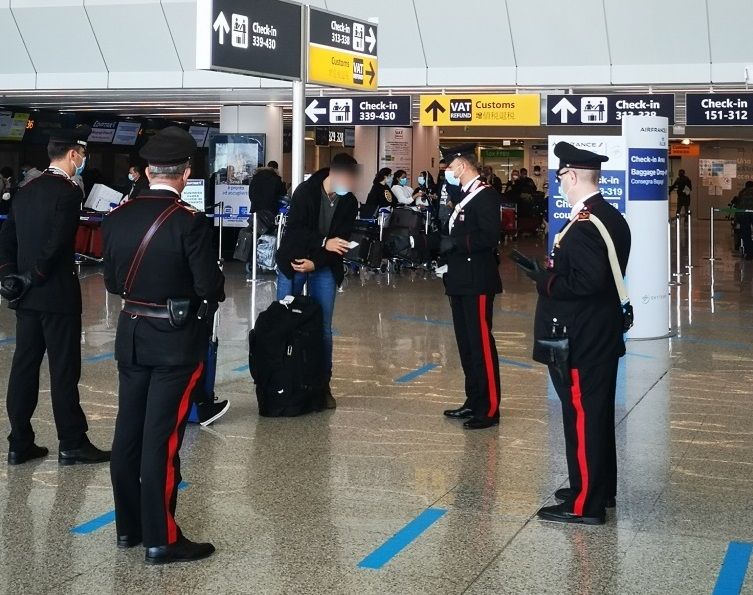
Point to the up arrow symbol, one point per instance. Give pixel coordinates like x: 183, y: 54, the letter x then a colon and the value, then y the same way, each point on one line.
x: 221, y: 26
x: 564, y: 108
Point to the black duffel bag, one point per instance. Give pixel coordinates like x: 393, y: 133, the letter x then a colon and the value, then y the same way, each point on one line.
x: 286, y: 358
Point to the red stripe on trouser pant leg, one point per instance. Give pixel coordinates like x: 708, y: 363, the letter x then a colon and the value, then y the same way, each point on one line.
x: 488, y: 362
x: 172, y: 451
x: 580, y: 431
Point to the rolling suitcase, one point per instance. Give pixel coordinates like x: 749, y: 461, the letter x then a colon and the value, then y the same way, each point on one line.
x: 285, y: 358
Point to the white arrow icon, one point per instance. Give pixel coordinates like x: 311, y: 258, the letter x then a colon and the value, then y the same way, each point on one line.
x: 221, y: 26
x: 564, y: 108
x: 371, y: 38
x: 313, y: 112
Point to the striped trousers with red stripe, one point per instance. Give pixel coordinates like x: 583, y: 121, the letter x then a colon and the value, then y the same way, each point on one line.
x: 588, y: 419
x: 153, y: 407
x: 472, y: 318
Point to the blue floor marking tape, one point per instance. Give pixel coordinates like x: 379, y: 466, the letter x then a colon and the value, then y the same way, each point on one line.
x: 416, y: 373
x: 245, y: 368
x: 640, y: 355
x: 7, y: 341
x: 105, y: 519
x: 512, y: 362
x: 99, y: 358
x: 735, y: 566
x: 403, y: 318
x: 402, y: 539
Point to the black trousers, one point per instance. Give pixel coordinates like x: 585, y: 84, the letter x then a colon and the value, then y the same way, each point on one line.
x: 60, y: 336
x: 154, y: 403
x: 746, y: 221
x: 683, y: 202
x: 588, y: 418
x: 472, y: 318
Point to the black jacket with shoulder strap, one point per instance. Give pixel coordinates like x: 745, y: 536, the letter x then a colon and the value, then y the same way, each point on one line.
x: 39, y: 237
x: 179, y: 262
x: 379, y: 196
x: 302, y: 238
x: 580, y: 290
x: 472, y: 266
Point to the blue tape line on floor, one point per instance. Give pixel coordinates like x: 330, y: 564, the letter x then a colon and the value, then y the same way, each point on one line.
x: 416, y: 373
x: 403, y: 318
x: 109, y: 517
x: 7, y: 341
x: 512, y: 362
x: 402, y: 539
x: 99, y: 358
x: 735, y: 566
x: 640, y: 355
x: 245, y: 368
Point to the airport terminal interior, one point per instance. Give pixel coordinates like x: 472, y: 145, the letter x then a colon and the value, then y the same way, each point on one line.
x: 385, y: 494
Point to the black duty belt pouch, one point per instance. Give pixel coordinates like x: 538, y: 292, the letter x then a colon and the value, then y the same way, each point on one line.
x: 178, y: 311
x: 559, y: 357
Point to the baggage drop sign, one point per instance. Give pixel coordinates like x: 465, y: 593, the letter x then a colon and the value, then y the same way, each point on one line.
x: 480, y: 110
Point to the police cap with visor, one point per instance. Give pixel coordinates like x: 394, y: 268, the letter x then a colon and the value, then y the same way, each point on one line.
x: 170, y: 146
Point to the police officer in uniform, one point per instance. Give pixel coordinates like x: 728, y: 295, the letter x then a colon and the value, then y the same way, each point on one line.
x: 579, y: 301
x: 167, y: 284
x: 39, y: 279
x: 471, y: 281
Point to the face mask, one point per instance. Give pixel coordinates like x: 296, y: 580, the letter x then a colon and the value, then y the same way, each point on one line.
x: 341, y: 190
x: 421, y: 181
x: 450, y: 178
x: 403, y: 181
x: 514, y: 178
x: 132, y: 177
x: 80, y: 168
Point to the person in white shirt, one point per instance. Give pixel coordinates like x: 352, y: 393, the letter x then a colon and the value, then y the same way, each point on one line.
x: 401, y: 190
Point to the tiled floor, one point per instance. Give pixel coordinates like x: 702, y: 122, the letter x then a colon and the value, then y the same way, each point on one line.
x: 294, y: 505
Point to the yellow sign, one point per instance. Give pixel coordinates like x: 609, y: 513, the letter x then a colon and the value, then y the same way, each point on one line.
x: 328, y: 66
x: 480, y: 110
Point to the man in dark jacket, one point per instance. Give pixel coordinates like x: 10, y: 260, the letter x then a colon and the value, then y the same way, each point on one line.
x: 684, y: 187
x: 37, y: 247
x: 321, y: 218
x: 472, y: 281
x: 579, y: 304
x: 159, y: 258
x: 744, y: 202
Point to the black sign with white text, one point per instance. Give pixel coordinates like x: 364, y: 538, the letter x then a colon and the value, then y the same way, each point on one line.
x: 342, y: 33
x: 361, y: 110
x: 606, y: 110
x: 719, y: 109
x: 254, y: 37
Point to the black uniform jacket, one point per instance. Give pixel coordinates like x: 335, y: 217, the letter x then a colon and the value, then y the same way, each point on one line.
x: 580, y: 291
x: 39, y: 237
x: 302, y: 238
x: 138, y: 187
x: 265, y: 190
x: 178, y: 263
x: 379, y: 196
x: 472, y: 266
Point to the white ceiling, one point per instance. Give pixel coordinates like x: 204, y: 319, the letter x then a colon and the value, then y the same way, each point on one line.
x: 139, y: 55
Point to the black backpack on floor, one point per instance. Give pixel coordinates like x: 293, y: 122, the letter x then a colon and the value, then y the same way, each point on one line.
x: 286, y: 358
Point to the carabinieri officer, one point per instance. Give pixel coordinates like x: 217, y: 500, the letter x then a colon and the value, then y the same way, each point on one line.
x: 471, y: 281
x: 158, y: 257
x: 579, y: 302
x: 37, y: 252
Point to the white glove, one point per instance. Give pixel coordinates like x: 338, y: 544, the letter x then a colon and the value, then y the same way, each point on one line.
x: 6, y: 196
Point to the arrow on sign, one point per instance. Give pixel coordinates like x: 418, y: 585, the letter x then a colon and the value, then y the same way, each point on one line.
x: 436, y: 108
x: 313, y: 112
x: 221, y: 26
x: 564, y: 108
x: 371, y: 73
x: 371, y: 38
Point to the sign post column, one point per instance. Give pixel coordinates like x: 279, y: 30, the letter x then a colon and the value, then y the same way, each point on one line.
x: 298, y: 157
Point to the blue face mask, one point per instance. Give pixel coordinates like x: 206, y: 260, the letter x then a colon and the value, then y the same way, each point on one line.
x: 131, y: 177
x: 449, y: 176
x: 341, y: 190
x: 421, y: 181
x: 403, y: 181
x: 80, y: 168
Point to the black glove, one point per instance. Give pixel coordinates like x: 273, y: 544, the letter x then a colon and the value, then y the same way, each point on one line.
x: 446, y: 245
x: 536, y: 274
x: 14, y: 287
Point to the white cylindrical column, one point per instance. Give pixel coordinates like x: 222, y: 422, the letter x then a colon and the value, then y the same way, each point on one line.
x: 646, y: 141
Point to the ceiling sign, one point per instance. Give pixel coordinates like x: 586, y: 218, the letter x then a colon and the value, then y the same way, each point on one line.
x: 480, y: 110
x: 719, y: 109
x: 606, y: 110
x: 362, y: 110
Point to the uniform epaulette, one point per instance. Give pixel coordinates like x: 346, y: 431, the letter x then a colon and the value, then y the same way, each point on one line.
x: 185, y: 206
x: 584, y: 216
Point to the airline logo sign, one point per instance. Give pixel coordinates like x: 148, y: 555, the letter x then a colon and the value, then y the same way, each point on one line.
x: 342, y: 51
x: 480, y: 110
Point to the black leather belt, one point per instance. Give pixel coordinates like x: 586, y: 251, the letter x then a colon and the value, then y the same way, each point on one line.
x: 147, y: 310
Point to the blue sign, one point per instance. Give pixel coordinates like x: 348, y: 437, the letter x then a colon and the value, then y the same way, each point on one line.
x: 648, y: 173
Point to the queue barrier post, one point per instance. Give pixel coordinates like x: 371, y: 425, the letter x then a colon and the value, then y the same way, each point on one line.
x: 689, y: 267
x: 711, y: 252
x: 678, y: 252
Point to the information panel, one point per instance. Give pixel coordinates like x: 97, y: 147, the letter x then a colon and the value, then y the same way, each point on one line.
x: 364, y: 110
x: 606, y: 110
x: 480, y: 110
x: 719, y: 109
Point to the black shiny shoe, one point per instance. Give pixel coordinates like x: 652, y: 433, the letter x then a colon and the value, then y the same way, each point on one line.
x: 30, y: 454
x: 182, y: 550
x: 126, y: 541
x: 562, y: 514
x: 85, y: 455
x: 481, y: 424
x: 211, y: 412
x: 460, y: 413
x: 568, y: 495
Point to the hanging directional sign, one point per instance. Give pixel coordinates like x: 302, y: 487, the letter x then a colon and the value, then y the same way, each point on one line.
x: 719, y: 109
x: 259, y: 37
x: 342, y: 51
x: 363, y: 110
x: 606, y: 110
x: 480, y: 110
